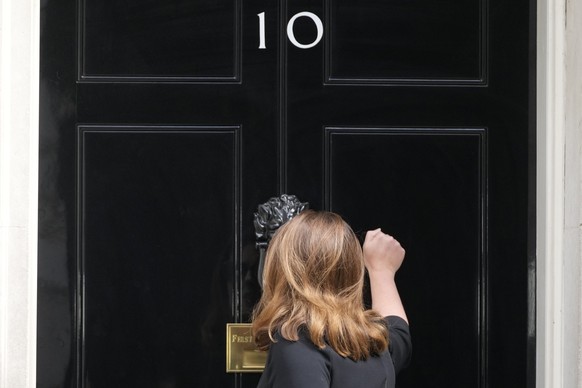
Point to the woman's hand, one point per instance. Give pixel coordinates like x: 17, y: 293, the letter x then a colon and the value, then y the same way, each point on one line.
x: 383, y: 256
x: 382, y: 252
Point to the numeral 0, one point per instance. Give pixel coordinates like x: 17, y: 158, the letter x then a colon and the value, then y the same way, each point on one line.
x: 290, y: 34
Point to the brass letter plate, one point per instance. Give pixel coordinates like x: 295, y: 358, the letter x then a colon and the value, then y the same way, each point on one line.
x: 242, y: 354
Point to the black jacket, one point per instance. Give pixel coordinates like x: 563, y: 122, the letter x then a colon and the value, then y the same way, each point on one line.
x: 301, y: 364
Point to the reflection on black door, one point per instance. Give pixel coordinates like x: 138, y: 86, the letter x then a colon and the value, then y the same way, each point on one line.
x: 165, y: 123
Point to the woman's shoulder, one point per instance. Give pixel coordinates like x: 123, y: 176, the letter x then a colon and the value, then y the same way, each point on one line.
x: 301, y: 348
x: 394, y: 321
x: 400, y: 341
x: 287, y: 357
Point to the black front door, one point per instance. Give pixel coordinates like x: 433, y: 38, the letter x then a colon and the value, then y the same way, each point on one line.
x: 165, y: 123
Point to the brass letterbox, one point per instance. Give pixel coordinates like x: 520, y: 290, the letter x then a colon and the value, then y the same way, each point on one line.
x: 242, y: 354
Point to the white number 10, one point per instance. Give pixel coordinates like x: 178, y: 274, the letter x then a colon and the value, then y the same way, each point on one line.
x: 290, y: 34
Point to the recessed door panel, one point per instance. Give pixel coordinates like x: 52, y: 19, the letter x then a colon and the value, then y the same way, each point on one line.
x: 427, y: 187
x: 156, y: 40
x: 156, y: 282
x: 426, y: 42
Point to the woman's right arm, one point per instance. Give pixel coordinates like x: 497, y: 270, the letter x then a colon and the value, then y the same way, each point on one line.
x: 383, y: 256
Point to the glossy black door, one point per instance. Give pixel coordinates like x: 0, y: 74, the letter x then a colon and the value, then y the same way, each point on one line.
x: 164, y: 125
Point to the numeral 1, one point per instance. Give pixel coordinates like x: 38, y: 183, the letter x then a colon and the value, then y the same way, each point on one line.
x: 262, y: 30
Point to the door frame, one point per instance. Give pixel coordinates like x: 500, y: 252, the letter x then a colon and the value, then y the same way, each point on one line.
x: 559, y: 196
x: 19, y: 146
x: 555, y: 273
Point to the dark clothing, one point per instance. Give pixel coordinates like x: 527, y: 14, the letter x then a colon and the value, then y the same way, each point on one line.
x: 301, y: 364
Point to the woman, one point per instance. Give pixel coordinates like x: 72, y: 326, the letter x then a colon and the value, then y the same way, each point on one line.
x: 311, y: 316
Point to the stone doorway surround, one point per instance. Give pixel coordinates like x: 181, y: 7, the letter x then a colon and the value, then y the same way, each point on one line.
x: 559, y: 194
x: 557, y: 277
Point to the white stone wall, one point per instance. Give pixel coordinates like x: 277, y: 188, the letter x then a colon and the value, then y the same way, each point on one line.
x: 19, y: 44
x: 573, y: 187
x: 559, y: 192
x: 573, y: 195
x: 573, y: 192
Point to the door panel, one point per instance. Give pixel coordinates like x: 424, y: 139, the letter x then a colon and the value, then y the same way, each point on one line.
x: 429, y: 187
x: 163, y: 126
x: 157, y: 245
x: 413, y: 42
x: 152, y: 40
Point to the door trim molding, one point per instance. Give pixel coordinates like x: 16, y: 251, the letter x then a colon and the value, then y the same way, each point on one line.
x: 19, y: 110
x: 559, y: 220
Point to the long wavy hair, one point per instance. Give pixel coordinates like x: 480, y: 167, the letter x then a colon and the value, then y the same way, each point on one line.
x: 313, y: 279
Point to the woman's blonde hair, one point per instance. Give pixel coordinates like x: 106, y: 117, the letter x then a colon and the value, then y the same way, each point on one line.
x: 313, y: 279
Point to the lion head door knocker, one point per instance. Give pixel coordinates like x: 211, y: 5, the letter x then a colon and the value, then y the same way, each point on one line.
x: 268, y: 218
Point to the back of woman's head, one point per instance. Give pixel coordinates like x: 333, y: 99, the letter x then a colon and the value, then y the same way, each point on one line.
x: 313, y: 279
x: 314, y: 254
